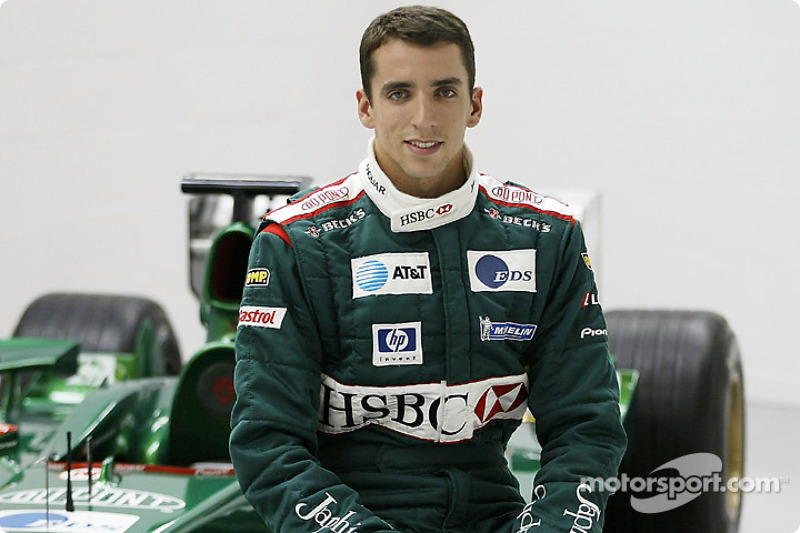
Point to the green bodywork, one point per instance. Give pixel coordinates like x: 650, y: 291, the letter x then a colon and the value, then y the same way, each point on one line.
x: 157, y: 445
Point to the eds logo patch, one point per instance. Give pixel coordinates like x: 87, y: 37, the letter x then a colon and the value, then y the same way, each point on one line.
x: 513, y: 270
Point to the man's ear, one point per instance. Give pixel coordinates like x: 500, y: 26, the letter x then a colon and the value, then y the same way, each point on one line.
x: 364, y: 109
x: 476, y: 107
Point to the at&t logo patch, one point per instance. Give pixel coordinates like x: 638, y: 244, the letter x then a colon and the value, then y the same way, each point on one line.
x: 397, y: 344
x: 391, y: 273
x: 513, y: 270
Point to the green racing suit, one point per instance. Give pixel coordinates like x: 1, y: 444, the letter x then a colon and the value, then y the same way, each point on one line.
x: 389, y: 345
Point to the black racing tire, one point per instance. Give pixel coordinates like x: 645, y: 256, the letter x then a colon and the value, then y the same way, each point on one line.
x: 689, y: 399
x: 106, y: 323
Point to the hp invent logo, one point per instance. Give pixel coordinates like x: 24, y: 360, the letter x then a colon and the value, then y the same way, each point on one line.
x: 396, y: 340
x: 372, y: 275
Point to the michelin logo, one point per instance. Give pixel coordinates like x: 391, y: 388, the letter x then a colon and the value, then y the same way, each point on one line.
x: 513, y: 270
x: 505, y: 331
x: 391, y: 273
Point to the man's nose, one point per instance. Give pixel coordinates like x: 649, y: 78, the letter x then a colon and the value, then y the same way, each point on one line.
x: 424, y: 113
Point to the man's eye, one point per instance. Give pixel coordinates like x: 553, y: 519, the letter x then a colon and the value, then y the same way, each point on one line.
x: 447, y: 93
x: 396, y: 95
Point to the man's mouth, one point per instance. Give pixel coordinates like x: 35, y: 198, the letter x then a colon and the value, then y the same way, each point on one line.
x: 423, y: 147
x: 424, y: 144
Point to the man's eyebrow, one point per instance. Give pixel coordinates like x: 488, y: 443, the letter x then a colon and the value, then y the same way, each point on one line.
x: 390, y: 86
x: 447, y: 81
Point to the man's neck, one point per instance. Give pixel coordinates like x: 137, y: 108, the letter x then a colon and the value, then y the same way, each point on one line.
x: 451, y: 179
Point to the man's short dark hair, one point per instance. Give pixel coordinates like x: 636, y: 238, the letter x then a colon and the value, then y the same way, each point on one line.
x: 420, y: 25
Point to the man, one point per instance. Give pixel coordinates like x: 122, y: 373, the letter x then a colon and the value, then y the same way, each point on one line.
x: 410, y: 314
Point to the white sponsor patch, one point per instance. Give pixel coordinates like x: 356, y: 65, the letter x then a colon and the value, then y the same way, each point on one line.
x: 397, y: 344
x: 261, y: 317
x: 513, y: 270
x: 63, y: 522
x: 436, y: 412
x: 391, y: 273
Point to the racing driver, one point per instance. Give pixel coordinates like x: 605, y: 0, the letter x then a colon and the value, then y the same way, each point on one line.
x: 396, y: 325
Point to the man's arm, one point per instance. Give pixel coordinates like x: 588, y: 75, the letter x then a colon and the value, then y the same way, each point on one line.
x: 574, y: 397
x: 277, y: 379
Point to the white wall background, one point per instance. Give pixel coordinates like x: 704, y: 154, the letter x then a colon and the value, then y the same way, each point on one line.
x: 684, y: 114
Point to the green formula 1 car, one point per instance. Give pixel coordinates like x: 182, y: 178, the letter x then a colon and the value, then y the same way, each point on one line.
x: 104, y: 430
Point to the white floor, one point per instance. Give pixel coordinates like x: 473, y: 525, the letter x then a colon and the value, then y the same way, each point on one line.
x: 773, y: 451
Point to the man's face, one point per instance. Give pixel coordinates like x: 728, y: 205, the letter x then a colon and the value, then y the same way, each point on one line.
x: 420, y: 108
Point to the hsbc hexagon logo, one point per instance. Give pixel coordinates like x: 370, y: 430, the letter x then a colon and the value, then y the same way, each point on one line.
x: 444, y: 209
x: 500, y: 399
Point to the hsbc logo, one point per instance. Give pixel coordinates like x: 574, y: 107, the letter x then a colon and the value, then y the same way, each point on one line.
x: 433, y: 412
x: 500, y: 399
x: 425, y: 214
x: 397, y: 344
x: 513, y: 270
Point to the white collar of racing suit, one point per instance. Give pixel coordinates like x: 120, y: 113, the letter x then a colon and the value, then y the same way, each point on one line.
x: 410, y: 213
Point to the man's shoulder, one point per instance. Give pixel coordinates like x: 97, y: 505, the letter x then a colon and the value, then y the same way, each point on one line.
x: 515, y: 196
x: 316, y: 201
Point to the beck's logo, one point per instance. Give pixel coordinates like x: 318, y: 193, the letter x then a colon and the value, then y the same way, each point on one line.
x: 513, y: 270
x: 397, y: 344
x: 257, y: 277
x: 392, y: 273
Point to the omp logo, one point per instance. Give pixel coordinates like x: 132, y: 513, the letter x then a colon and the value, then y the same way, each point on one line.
x: 262, y: 317
x: 55, y: 521
x: 372, y: 275
x: 502, y: 271
x: 323, y: 197
x: 391, y: 273
x: 500, y: 399
x: 257, y: 277
x: 397, y: 344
